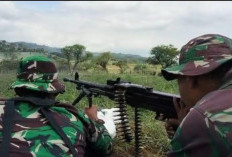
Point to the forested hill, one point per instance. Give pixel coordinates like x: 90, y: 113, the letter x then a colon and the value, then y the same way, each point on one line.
x: 36, y: 46
x: 121, y: 56
x: 25, y: 46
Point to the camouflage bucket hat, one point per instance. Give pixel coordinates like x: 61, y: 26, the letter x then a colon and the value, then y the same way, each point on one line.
x: 201, y: 55
x: 38, y: 73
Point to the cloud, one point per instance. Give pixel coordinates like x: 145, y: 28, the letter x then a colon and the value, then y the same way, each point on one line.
x: 127, y: 27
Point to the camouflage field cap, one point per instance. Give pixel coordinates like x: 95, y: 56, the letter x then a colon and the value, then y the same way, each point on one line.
x: 200, y: 56
x: 38, y: 73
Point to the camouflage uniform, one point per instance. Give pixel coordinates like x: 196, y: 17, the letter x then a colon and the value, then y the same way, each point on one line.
x: 32, y: 135
x: 207, y: 128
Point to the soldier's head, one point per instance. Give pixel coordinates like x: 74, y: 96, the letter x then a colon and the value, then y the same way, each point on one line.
x: 37, y: 74
x: 203, y: 62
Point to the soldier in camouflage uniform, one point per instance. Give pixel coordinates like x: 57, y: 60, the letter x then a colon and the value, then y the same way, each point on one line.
x: 32, y: 135
x: 204, y: 78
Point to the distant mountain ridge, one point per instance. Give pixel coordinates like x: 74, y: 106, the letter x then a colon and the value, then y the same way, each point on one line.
x: 35, y: 46
x: 122, y: 56
x: 58, y: 50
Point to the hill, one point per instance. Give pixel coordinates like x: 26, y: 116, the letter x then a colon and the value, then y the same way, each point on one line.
x: 121, y: 56
x: 36, y: 46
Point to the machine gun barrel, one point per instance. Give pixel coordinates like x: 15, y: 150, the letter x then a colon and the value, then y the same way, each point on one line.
x: 87, y: 84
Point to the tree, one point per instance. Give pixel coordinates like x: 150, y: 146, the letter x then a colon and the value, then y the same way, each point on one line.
x: 76, y: 52
x: 12, y: 47
x: 165, y: 55
x: 122, y: 64
x: 60, y: 63
x: 88, y: 55
x: 3, y: 46
x: 103, y: 60
x: 40, y: 50
x: 20, y: 47
x: 140, y: 68
x: 68, y: 55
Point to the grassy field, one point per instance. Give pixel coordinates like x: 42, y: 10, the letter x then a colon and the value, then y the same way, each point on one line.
x: 155, y: 139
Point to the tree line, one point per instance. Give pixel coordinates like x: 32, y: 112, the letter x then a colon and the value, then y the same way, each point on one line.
x: 164, y: 55
x: 72, y: 56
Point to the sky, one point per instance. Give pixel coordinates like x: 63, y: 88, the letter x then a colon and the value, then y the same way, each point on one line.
x: 130, y: 27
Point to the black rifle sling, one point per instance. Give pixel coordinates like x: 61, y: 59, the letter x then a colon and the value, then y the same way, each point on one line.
x: 44, y: 104
x: 7, y: 125
x: 36, y: 101
x: 50, y: 118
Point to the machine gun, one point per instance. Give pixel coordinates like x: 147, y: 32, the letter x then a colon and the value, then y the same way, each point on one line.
x: 126, y: 93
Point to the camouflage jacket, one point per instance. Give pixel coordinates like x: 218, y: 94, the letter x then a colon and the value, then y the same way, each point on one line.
x: 207, y: 129
x: 33, y: 136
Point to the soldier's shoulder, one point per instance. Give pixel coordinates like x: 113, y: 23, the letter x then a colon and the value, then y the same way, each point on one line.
x: 216, y: 101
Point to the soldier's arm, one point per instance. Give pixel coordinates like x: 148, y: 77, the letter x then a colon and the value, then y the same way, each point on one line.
x: 99, y: 140
x: 196, y: 136
x: 98, y: 137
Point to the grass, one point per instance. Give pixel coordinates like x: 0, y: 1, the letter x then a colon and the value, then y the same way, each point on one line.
x: 155, y: 139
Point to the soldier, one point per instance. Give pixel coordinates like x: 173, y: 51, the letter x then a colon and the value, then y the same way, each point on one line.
x: 35, y: 124
x: 204, y: 78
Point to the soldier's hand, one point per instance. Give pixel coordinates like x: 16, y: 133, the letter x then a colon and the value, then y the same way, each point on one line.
x: 91, y: 112
x: 171, y: 125
x: 181, y: 109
